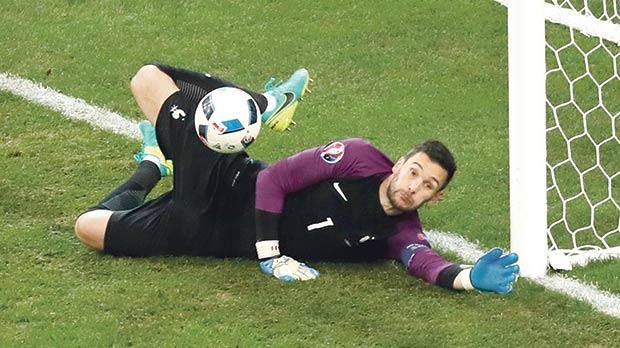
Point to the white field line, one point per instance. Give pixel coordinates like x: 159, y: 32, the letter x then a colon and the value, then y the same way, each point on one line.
x: 603, y: 301
x: 70, y: 107
x: 101, y: 118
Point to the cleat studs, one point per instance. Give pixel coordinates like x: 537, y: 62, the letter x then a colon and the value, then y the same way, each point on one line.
x: 293, y: 123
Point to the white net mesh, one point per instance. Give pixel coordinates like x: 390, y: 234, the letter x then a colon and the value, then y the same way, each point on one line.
x: 583, y: 132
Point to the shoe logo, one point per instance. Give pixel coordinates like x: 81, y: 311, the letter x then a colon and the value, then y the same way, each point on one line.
x: 289, y: 98
x: 339, y: 190
x: 177, y: 113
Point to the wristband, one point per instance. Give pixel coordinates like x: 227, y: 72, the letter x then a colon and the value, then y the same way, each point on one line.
x: 446, y: 278
x: 267, y: 248
x: 464, y: 279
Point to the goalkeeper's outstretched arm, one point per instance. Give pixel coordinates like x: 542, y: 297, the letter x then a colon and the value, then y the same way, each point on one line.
x: 493, y: 272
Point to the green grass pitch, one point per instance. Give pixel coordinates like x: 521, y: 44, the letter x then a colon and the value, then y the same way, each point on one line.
x: 394, y: 72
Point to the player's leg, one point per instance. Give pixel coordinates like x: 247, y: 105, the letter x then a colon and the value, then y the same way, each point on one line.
x: 277, y: 104
x: 150, y: 150
x: 283, y: 98
x: 195, y: 85
x: 151, y: 87
x: 90, y: 227
x: 157, y: 84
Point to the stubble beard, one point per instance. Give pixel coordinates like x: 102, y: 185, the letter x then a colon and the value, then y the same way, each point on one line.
x: 392, y: 193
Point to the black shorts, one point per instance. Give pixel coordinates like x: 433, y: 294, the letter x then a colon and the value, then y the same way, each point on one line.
x: 210, y: 210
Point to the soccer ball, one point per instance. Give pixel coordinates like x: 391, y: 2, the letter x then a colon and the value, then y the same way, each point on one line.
x: 227, y: 120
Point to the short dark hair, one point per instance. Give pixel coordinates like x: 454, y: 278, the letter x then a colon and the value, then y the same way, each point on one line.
x: 439, y: 154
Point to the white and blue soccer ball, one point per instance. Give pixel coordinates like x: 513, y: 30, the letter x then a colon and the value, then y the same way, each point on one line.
x: 227, y: 120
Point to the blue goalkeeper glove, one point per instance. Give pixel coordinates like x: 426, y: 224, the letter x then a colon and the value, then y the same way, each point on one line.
x: 287, y: 269
x: 494, y: 272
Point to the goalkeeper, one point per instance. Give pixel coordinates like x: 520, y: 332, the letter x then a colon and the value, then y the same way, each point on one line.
x: 345, y: 200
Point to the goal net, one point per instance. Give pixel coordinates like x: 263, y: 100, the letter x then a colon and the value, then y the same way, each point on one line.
x: 582, y: 131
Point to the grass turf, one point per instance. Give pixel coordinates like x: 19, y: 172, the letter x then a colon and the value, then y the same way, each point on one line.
x: 395, y: 73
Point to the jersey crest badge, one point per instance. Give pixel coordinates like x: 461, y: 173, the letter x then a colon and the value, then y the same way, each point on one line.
x: 333, y: 152
x: 177, y: 113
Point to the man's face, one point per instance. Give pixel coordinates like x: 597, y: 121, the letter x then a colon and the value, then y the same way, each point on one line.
x: 415, y: 182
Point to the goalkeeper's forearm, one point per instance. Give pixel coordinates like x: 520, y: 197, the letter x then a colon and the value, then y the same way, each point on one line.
x: 268, y: 251
x: 423, y: 262
x: 267, y: 243
x: 455, y: 277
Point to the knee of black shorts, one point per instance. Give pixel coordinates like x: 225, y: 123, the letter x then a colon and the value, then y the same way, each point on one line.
x: 96, y: 207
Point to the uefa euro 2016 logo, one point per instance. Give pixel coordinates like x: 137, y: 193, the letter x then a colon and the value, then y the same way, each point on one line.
x: 333, y: 152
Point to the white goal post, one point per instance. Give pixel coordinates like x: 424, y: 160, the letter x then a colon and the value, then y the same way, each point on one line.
x: 564, y: 131
x: 526, y: 122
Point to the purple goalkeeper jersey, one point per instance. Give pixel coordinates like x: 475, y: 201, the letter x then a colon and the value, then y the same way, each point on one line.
x: 330, y: 195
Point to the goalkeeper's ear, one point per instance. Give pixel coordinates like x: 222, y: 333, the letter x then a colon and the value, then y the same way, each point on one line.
x: 436, y: 197
x: 398, y: 164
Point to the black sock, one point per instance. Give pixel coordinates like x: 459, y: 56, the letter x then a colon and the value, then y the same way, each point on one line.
x: 195, y: 85
x: 132, y: 192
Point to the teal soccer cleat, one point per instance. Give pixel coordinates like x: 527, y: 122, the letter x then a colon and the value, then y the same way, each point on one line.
x: 151, y: 148
x: 287, y: 95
